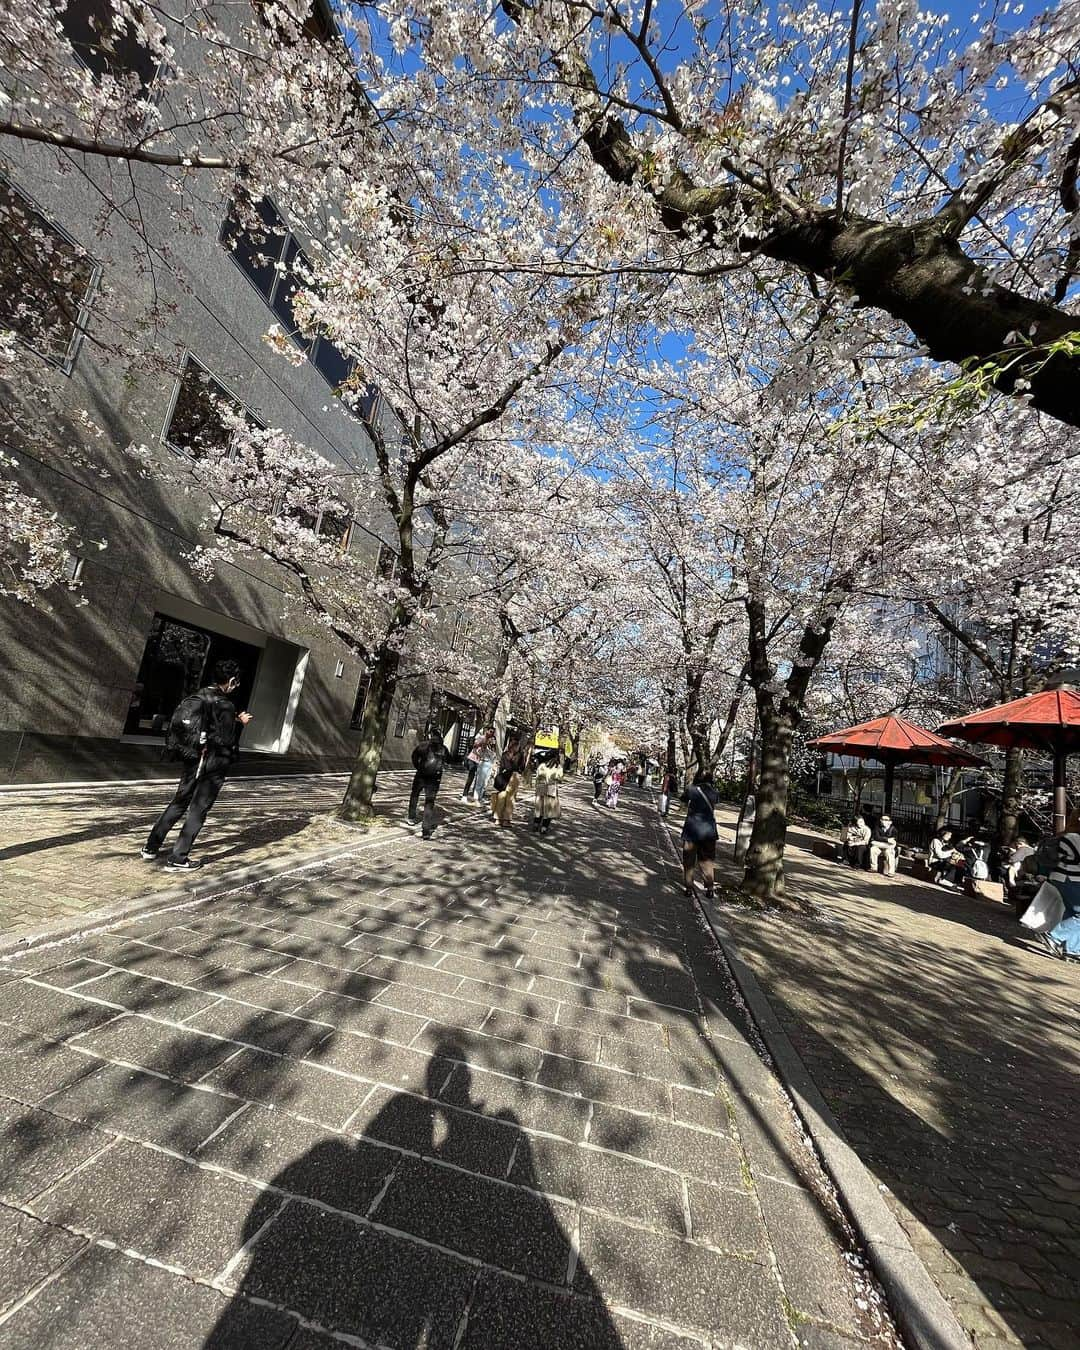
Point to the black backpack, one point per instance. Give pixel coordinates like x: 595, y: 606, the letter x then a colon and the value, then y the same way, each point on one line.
x: 185, y: 734
x: 431, y: 763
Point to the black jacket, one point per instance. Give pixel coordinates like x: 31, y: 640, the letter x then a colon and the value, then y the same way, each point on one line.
x: 221, y: 727
x: 428, y: 756
x: 883, y: 834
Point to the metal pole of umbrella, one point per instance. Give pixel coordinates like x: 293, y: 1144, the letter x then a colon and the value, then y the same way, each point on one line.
x: 890, y: 774
x: 1060, y: 798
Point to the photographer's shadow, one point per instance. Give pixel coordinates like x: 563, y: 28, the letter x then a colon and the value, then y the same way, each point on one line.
x: 307, y: 1253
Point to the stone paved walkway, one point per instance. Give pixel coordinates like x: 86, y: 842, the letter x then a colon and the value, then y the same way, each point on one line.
x: 488, y: 1091
x: 69, y: 851
x: 948, y: 1046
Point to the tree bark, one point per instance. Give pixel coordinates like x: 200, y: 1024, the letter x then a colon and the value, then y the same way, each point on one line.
x: 359, y: 795
x: 764, y: 873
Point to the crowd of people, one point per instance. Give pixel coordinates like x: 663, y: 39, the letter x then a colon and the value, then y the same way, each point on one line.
x: 492, y: 779
x: 204, y: 732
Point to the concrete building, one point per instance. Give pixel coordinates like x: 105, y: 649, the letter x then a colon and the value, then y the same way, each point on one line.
x: 88, y: 680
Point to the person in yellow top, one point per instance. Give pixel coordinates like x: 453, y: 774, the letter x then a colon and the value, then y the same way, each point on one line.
x: 546, y: 791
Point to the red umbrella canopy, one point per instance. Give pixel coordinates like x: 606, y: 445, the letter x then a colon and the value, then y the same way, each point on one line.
x: 1049, y: 721
x: 895, y: 740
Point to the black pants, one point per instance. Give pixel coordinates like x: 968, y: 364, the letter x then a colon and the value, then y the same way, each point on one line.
x: 195, y: 794
x: 429, y: 787
x: 470, y: 777
x: 597, y: 788
x: 857, y: 855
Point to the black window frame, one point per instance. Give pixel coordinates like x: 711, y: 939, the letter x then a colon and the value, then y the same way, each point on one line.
x: 402, y: 723
x: 65, y: 363
x: 320, y: 351
x: 100, y: 65
x: 190, y: 359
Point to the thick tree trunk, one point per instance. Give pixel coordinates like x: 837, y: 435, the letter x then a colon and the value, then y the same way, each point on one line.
x: 699, y: 744
x: 764, y: 874
x: 357, y: 803
x: 1010, y: 796
x: 671, y: 765
x: 915, y: 271
x: 920, y: 275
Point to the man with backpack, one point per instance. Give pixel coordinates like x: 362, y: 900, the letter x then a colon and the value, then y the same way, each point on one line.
x: 427, y: 760
x: 203, y: 733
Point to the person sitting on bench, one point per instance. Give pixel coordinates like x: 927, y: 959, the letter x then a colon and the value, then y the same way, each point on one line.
x: 884, y: 843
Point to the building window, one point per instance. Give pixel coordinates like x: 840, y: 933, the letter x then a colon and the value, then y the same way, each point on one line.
x: 459, y: 641
x: 360, y: 702
x: 45, y: 279
x: 335, y: 524
x: 386, y: 565
x: 403, y: 715
x: 270, y: 256
x: 90, y: 28
x: 197, y: 422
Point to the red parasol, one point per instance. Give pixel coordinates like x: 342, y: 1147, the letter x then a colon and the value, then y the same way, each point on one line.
x: 891, y: 741
x: 1049, y: 722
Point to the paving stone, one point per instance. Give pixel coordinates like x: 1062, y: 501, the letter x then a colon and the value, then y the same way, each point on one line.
x: 70, y: 973
x: 442, y: 1008
x: 31, y: 1067
x: 695, y: 1153
x: 37, y: 1148
x: 706, y: 1110
x: 728, y: 1217
x: 521, y: 1103
x: 138, y: 993
x: 168, y: 1050
x: 605, y: 1085
x: 635, y: 1030
x: 144, y: 1106
x: 510, y: 1001
x: 410, y: 975
x: 158, y: 1206
x: 109, y: 1301
x: 479, y: 1143
x: 601, y: 1180
x: 316, y: 977
x: 665, y: 1277
x: 507, y: 1314
x: 595, y: 998
x: 264, y: 991
x: 353, y: 1280
x: 31, y: 1007
x: 559, y: 1040
x: 302, y: 1159
x: 31, y: 1251
x: 290, y: 1085
x: 265, y: 1029
x: 658, y: 1062
x: 382, y: 1020
x: 381, y: 1061
x: 501, y: 1225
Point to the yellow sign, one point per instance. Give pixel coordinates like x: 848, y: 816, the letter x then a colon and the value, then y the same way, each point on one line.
x: 548, y: 740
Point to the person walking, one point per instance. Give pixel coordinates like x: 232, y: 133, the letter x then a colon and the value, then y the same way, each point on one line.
x: 428, y: 758
x: 546, y: 792
x: 668, y: 788
x: 599, y: 775
x: 203, y: 733
x: 615, y: 782
x: 486, y: 767
x: 699, y: 832
x: 473, y: 761
x: 506, y: 782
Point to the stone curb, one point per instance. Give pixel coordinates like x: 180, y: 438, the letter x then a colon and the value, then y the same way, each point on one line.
x: 924, y: 1317
x: 191, y: 893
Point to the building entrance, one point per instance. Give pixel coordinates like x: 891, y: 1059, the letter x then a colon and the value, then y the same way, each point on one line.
x: 178, y: 659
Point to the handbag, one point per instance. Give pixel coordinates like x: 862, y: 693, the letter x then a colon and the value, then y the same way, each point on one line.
x: 1046, y: 911
x: 501, y: 780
